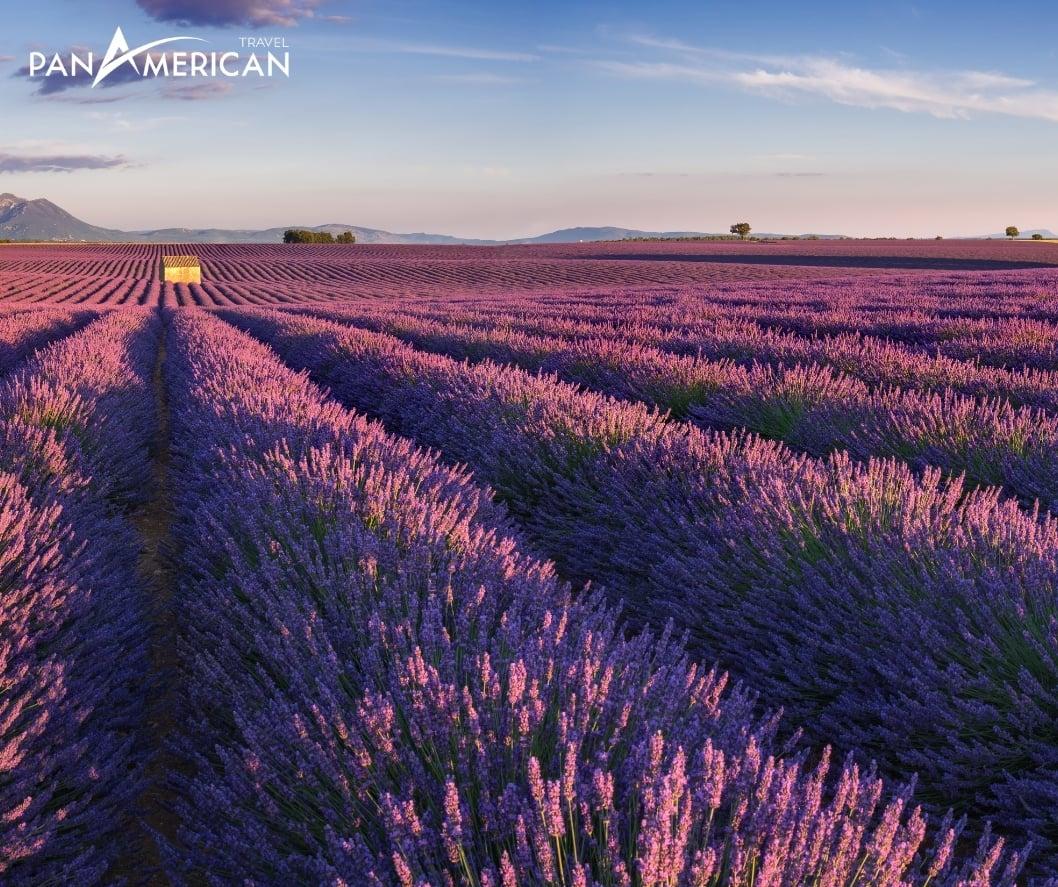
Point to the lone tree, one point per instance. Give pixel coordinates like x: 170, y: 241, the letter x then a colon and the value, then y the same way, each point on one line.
x: 1012, y: 231
x: 742, y: 229
x: 1037, y: 237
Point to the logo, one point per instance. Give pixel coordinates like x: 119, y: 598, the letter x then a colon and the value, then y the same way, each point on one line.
x: 146, y: 61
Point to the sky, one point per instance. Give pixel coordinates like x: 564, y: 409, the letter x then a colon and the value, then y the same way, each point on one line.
x: 502, y: 120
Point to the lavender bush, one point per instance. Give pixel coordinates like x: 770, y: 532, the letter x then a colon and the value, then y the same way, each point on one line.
x: 877, y: 362
x: 894, y: 614
x: 380, y: 688
x: 23, y: 332
x: 74, y: 424
x: 811, y: 408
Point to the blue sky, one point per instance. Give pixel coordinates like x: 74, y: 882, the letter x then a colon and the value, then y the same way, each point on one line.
x: 503, y: 120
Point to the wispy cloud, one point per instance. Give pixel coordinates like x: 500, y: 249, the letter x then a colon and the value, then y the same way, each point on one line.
x: 941, y: 94
x: 49, y: 86
x: 197, y: 92
x: 15, y: 163
x: 121, y: 122
x: 222, y: 13
x: 126, y: 75
x: 6, y: 58
x: 652, y: 175
x: 692, y: 51
x: 481, y: 78
x: 488, y: 172
x: 559, y: 49
x: 945, y: 94
x: 894, y: 54
x: 458, y: 52
x: 92, y: 99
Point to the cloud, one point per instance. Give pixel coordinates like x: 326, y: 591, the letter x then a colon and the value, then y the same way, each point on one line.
x: 944, y: 94
x: 221, y: 13
x: 14, y: 163
x: 691, y: 51
x: 53, y: 87
x: 488, y: 172
x: 458, y: 52
x: 481, y: 78
x: 959, y: 94
x: 92, y: 99
x: 560, y: 49
x: 651, y: 175
x: 197, y: 92
x: 6, y: 58
x: 49, y: 86
x: 121, y: 122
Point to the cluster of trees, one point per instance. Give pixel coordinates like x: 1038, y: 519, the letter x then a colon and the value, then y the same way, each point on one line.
x: 1013, y: 232
x: 300, y: 235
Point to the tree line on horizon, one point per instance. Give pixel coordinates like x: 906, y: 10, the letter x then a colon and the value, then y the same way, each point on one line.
x: 301, y: 235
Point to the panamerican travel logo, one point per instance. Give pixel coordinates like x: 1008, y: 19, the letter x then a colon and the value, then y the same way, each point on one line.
x: 149, y: 60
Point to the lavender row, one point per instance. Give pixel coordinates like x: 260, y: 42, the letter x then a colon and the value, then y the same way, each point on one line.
x: 957, y: 299
x: 399, y: 696
x: 74, y: 424
x: 874, y: 361
x: 1028, y: 295
x: 1026, y: 343
x: 989, y: 336
x: 814, y: 409
x: 23, y: 332
x: 892, y: 613
x: 1016, y: 343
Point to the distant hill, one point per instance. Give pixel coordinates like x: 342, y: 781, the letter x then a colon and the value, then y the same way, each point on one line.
x: 587, y: 235
x: 22, y: 219
x: 275, y: 235
x: 1025, y: 235
x: 579, y: 235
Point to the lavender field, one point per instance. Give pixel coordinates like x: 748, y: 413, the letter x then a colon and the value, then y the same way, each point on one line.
x: 604, y: 564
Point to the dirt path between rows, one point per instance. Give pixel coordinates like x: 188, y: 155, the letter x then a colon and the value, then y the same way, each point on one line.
x: 140, y: 859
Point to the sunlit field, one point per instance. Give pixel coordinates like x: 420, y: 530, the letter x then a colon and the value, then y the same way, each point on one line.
x: 690, y: 563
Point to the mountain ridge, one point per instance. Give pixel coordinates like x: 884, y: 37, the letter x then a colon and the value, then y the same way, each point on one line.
x: 42, y: 220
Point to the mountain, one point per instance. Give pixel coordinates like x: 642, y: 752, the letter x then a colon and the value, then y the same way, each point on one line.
x: 22, y: 219
x: 579, y: 235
